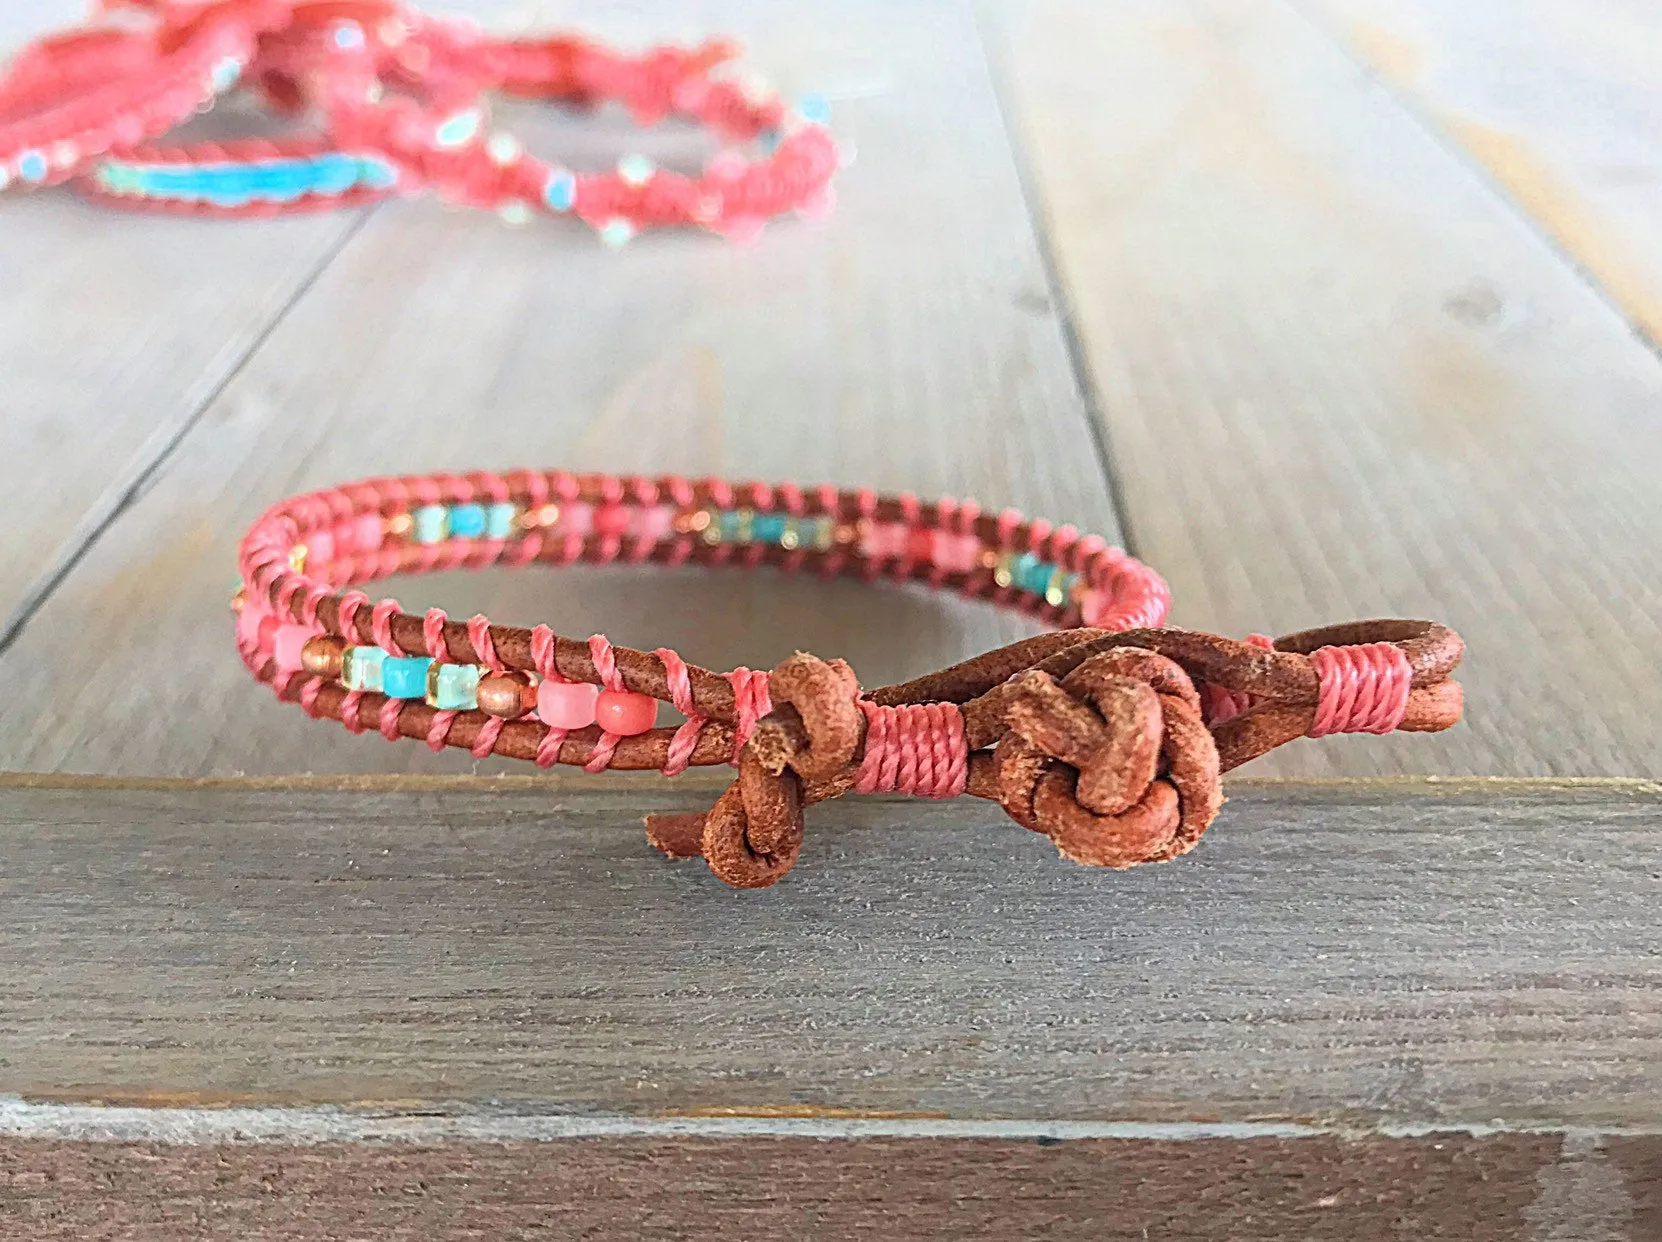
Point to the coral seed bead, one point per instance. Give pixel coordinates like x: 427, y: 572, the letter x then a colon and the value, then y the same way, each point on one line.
x: 566, y: 704
x: 625, y: 713
x: 288, y: 646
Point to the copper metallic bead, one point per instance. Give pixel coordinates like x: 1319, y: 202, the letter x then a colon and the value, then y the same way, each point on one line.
x: 508, y: 695
x: 322, y: 655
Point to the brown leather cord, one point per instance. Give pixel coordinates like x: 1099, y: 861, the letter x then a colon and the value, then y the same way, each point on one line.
x: 1096, y: 740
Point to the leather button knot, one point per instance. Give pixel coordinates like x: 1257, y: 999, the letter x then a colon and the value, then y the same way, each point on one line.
x: 1112, y: 762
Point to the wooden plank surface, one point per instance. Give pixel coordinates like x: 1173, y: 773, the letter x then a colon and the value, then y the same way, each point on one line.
x: 909, y: 344
x: 115, y: 331
x: 1561, y: 104
x: 1341, y: 375
x: 1393, y: 957
x: 1501, y: 1188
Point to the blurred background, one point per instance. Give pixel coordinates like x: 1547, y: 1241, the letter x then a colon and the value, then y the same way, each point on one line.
x: 1324, y: 308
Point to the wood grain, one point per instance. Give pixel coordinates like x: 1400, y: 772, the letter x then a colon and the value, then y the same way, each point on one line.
x: 1559, y: 104
x: 1329, y: 1190
x: 115, y: 331
x: 909, y: 344
x: 1341, y: 375
x: 1390, y: 957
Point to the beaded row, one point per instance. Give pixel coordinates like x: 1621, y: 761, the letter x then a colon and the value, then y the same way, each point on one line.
x: 226, y: 184
x: 947, y: 550
x: 534, y: 695
x: 69, y: 98
x: 509, y: 695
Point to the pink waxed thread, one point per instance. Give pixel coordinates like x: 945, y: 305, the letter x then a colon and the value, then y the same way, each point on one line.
x: 548, y: 750
x: 605, y: 663
x: 1364, y: 688
x: 380, y: 619
x: 605, y: 667
x: 678, y: 681
x: 486, y: 741
x: 388, y: 723
x: 750, y: 703
x: 603, y: 751
x: 347, y: 614
x: 438, y: 732
x: 432, y: 632
x: 542, y: 654
x: 685, y: 740
x: 484, y: 646
x: 917, y: 749
x: 349, y: 711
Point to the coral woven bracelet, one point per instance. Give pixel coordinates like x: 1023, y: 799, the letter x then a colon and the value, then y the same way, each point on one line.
x: 1109, y: 735
x: 401, y: 100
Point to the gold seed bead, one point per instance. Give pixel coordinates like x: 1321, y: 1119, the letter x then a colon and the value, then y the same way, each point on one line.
x: 846, y: 533
x: 790, y: 538
x: 540, y: 517
x: 508, y: 695
x: 400, y: 524
x: 240, y: 600
x: 1056, y: 593
x: 297, y: 558
x: 691, y: 522
x: 825, y: 534
x: 322, y: 655
x: 1003, y: 573
x: 711, y: 534
x: 747, y: 518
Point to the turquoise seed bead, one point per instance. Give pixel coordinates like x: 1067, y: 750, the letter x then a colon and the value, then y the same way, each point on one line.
x: 360, y: 668
x: 1027, y: 569
x: 458, y: 129
x: 431, y: 524
x: 376, y: 174
x: 467, y: 521
x: 500, y: 520
x: 31, y: 166
x: 814, y: 109
x: 330, y: 174
x: 453, y: 687
x: 768, y: 527
x: 617, y: 232
x: 404, y: 677
x: 636, y: 170
x: 728, y: 523
x: 560, y: 192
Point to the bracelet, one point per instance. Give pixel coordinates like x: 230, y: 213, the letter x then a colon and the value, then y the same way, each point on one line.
x: 69, y: 98
x: 401, y: 97
x: 1107, y: 735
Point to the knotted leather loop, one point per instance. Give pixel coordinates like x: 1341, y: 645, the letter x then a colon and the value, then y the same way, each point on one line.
x: 1098, y: 740
x: 1112, y: 762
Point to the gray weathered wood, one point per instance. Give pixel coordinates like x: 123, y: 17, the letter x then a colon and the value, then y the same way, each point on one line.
x: 115, y: 330
x: 1501, y: 1188
x: 1341, y: 375
x: 908, y: 344
x: 1375, y: 957
x: 1560, y: 104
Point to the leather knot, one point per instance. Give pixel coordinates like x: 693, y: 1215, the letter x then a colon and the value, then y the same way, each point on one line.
x: 1097, y: 739
x: 753, y: 834
x: 1112, y: 762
